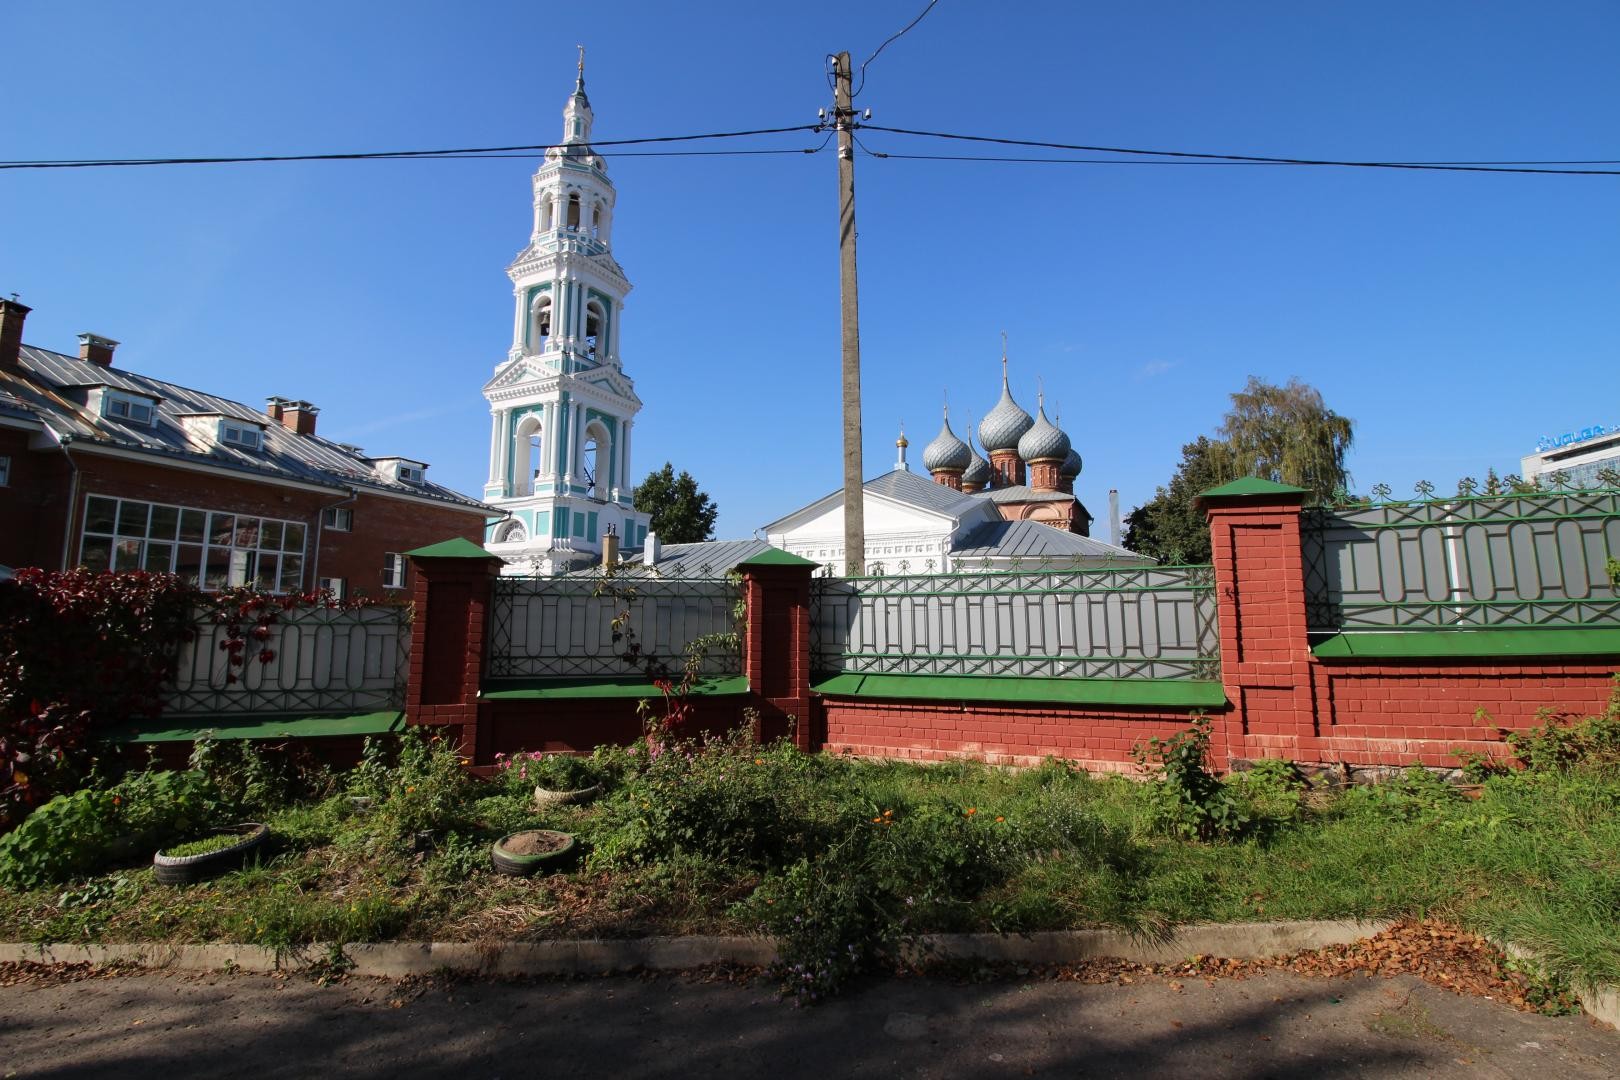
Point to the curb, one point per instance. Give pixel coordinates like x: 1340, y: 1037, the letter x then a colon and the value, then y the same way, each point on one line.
x: 393, y: 960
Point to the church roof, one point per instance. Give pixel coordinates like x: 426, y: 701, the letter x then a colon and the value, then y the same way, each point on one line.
x: 1044, y: 440
x: 710, y: 559
x: 1021, y: 493
x: 1033, y: 540
x: 946, y: 451
x: 54, y: 392
x: 908, y: 487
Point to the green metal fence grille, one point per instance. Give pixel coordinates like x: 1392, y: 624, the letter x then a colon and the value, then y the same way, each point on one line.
x: 1464, y: 563
x: 1130, y: 623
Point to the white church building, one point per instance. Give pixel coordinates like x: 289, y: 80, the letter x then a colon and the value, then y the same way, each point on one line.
x: 561, y: 406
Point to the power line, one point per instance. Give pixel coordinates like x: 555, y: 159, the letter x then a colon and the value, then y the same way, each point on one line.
x: 477, y: 151
x: 1251, y: 159
x: 893, y: 37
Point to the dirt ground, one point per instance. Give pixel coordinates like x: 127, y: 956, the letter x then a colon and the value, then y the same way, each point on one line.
x: 1278, y: 1023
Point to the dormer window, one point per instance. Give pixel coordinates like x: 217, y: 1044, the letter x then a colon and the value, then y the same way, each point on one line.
x: 246, y: 436
x: 410, y: 474
x: 129, y: 408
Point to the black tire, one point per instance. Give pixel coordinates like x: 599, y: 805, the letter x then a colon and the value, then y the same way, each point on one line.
x: 515, y: 865
x: 185, y: 869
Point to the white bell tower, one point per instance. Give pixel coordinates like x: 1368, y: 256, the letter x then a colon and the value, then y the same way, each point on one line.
x: 560, y: 403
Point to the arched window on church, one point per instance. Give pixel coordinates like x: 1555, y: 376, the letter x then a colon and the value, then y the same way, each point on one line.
x: 596, y: 221
x: 594, y: 462
x: 512, y: 532
x: 593, y: 327
x: 548, y: 217
x: 573, y: 211
x: 541, y: 336
x: 526, y: 456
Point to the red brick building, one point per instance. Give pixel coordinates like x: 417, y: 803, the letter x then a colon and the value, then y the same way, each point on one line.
x: 109, y: 469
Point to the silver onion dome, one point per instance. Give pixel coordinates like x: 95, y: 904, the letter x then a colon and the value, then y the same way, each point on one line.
x: 1071, y: 465
x: 1005, y: 424
x: 1043, y: 441
x: 946, y: 451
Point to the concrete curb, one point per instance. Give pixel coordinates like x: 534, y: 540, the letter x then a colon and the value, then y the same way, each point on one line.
x: 393, y: 960
x: 1241, y: 941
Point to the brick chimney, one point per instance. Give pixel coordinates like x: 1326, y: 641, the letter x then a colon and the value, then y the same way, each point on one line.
x: 296, y: 416
x: 96, y: 349
x: 12, y: 315
x: 610, y: 548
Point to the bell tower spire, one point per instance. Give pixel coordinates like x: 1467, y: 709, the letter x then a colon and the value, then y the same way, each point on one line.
x: 562, y: 407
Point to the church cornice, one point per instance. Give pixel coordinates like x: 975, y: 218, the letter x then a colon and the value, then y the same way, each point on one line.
x: 533, y: 261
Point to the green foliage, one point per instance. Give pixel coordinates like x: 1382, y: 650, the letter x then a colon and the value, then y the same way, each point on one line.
x: 1561, y: 744
x: 256, y: 781
x: 208, y: 844
x: 79, y: 833
x: 681, y: 513
x: 1186, y: 798
x: 1272, y: 788
x: 1289, y: 435
x: 725, y: 799
x: 418, y: 782
x: 457, y: 859
x: 1282, y: 433
x: 1168, y: 526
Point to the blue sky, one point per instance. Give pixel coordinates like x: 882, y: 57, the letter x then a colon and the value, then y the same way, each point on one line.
x: 1455, y: 317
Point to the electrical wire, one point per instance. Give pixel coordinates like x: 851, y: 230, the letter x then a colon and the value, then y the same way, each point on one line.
x: 1247, y: 159
x: 477, y: 151
x: 893, y: 37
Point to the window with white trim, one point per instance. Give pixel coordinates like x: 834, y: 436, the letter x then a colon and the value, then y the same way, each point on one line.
x: 213, y: 549
x: 5, y: 472
x: 334, y: 585
x: 117, y: 405
x: 247, y: 436
x: 410, y: 474
x: 337, y: 518
x: 393, y: 575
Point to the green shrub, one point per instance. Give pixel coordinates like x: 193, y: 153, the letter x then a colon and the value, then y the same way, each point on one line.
x: 458, y: 858
x: 255, y: 782
x: 1272, y: 789
x: 1185, y: 798
x: 418, y: 782
x: 1559, y: 744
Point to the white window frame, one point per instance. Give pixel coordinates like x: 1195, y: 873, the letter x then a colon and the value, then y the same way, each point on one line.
x: 114, y: 400
x: 337, y: 519
x: 252, y: 543
x: 411, y: 474
x: 393, y: 573
x: 334, y: 585
x: 243, y: 436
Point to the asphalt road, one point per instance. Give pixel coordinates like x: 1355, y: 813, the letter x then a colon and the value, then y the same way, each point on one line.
x: 1277, y: 1025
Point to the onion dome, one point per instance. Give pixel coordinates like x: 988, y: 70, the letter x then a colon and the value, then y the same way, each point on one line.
x: 1043, y: 441
x: 946, y: 451
x: 1005, y: 424
x: 1071, y: 466
x: 977, y: 474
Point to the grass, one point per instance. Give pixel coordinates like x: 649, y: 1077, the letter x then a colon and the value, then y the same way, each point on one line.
x: 841, y: 857
x: 205, y: 846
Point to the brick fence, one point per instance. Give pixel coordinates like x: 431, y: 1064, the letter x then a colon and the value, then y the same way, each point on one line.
x: 1380, y: 699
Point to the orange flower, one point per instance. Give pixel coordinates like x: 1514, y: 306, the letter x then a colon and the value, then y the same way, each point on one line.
x: 759, y: 761
x: 876, y: 820
x: 118, y: 800
x: 888, y: 813
x: 410, y: 788
x: 1000, y: 818
x: 970, y: 811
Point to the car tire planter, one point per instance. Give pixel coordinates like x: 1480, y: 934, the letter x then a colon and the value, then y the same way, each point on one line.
x: 185, y: 869
x: 523, y: 853
x: 546, y: 798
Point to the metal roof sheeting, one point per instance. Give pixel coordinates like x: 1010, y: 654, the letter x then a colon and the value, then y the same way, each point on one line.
x: 59, y: 382
x: 1033, y: 540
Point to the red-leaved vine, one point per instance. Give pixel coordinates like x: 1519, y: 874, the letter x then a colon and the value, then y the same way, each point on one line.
x: 82, y: 650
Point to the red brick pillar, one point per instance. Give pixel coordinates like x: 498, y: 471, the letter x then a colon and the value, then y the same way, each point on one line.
x: 776, y: 642
x: 1260, y: 592
x: 452, y: 594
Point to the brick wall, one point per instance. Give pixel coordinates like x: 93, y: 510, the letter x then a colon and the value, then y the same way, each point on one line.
x: 33, y: 534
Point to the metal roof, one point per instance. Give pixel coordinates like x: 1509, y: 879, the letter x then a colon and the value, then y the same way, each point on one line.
x: 58, y: 383
x: 710, y: 559
x: 1017, y: 493
x: 1034, y: 540
x: 908, y: 487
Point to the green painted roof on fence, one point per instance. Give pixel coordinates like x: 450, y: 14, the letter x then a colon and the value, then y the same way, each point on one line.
x: 1533, y: 641
x: 777, y: 557
x: 1251, y: 485
x: 1170, y: 693
x: 458, y: 547
x: 629, y: 686
x: 192, y: 728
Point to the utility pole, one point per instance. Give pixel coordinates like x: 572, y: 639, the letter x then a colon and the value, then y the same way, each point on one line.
x: 854, y: 495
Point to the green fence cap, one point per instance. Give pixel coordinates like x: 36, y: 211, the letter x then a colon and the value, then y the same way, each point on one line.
x: 1252, y: 485
x: 777, y: 557
x: 458, y: 548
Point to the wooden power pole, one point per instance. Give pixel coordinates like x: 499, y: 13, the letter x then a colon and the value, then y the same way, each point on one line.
x: 854, y: 499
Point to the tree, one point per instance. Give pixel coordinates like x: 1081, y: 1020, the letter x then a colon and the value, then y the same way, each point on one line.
x: 681, y: 514
x: 1281, y: 433
x: 1168, y: 526
x: 1288, y: 434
